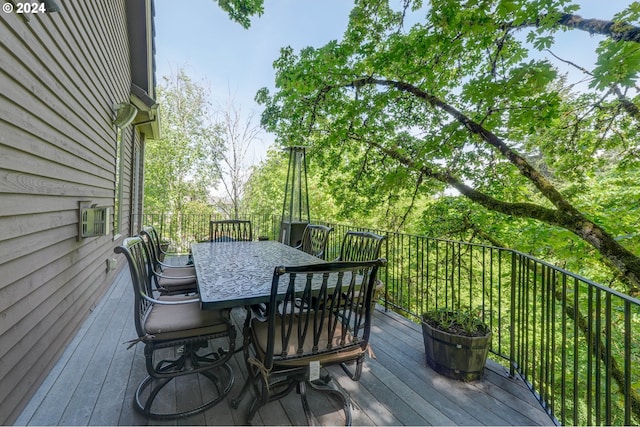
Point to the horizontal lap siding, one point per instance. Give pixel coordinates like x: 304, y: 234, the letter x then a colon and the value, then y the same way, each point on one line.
x: 59, y: 76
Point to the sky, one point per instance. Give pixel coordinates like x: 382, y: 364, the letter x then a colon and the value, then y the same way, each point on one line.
x: 232, y: 62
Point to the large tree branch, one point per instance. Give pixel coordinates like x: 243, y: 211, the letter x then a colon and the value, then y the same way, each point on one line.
x: 522, y: 210
x: 541, y: 183
x: 616, y: 30
x: 566, y: 215
x: 620, y: 31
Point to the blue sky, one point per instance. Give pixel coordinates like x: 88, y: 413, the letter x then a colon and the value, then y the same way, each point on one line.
x: 199, y: 37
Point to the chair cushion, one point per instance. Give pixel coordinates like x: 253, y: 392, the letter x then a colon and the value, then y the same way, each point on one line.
x: 179, y: 271
x: 170, y: 322
x: 174, y: 280
x: 259, y: 331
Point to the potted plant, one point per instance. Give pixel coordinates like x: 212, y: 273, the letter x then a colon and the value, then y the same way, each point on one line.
x: 456, y: 343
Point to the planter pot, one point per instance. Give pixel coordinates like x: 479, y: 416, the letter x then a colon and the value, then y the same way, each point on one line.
x: 455, y: 356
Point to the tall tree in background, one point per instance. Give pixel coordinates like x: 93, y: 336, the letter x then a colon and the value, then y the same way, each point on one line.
x: 180, y: 167
x: 264, y: 192
x: 459, y: 101
x: 239, y: 133
x: 183, y: 166
x: 266, y: 184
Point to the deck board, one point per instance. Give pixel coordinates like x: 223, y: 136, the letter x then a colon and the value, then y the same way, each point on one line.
x: 95, y: 379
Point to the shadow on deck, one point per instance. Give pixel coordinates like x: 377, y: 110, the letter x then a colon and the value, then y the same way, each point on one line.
x: 94, y: 381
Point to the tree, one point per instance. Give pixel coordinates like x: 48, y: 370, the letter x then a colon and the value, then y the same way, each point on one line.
x: 265, y: 186
x: 459, y: 102
x: 184, y: 163
x: 242, y: 10
x: 238, y: 134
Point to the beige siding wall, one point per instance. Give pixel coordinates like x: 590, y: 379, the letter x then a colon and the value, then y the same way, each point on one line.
x: 59, y: 76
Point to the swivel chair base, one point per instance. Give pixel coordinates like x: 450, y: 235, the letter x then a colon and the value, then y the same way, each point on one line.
x: 155, y: 385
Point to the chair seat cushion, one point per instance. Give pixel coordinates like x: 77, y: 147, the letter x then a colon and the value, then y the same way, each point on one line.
x: 323, y: 354
x: 179, y: 271
x: 170, y: 322
x: 175, y: 280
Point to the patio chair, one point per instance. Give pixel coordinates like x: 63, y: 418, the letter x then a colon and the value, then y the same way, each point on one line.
x: 169, y: 280
x: 314, y: 240
x: 296, y: 339
x: 362, y: 246
x: 179, y: 339
x: 149, y: 234
x: 162, y: 255
x: 229, y: 230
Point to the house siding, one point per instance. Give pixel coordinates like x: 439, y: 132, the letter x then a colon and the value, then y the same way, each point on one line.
x: 60, y: 74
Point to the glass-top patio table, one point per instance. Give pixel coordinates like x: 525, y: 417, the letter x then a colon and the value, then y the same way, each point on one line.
x: 236, y: 274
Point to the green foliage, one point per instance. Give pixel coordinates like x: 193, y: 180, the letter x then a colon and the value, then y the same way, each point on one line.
x: 264, y: 191
x: 416, y: 106
x: 463, y: 321
x: 181, y: 165
x: 619, y: 61
x: 241, y: 11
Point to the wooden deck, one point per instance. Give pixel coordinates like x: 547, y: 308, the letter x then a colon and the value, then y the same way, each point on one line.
x: 94, y: 381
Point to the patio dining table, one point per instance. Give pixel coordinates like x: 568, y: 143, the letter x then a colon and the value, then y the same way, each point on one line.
x: 237, y: 274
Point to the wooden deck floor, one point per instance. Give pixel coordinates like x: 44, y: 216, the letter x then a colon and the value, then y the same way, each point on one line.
x: 94, y: 381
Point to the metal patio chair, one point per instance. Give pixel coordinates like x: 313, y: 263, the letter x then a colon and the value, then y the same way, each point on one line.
x: 150, y: 234
x: 362, y: 246
x: 179, y: 339
x: 280, y: 350
x: 314, y: 240
x: 168, y: 279
x: 163, y: 255
x: 230, y: 230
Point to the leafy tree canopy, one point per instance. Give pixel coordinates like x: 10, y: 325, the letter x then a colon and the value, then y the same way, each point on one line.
x: 460, y: 103
x: 185, y: 162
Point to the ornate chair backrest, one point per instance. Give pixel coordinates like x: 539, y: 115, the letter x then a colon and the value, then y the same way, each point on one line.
x: 134, y: 249
x: 230, y: 230
x: 151, y: 236
x: 314, y: 239
x: 152, y: 257
x: 360, y: 246
x: 306, y: 321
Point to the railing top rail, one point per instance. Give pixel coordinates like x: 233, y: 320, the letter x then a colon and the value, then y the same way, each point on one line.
x: 600, y: 286
x: 389, y: 234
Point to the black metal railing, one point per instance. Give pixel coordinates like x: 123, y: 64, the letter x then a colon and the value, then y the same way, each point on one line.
x: 573, y: 341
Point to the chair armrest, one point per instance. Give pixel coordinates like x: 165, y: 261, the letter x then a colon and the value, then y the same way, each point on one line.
x: 159, y: 274
x: 170, y: 254
x: 164, y: 265
x: 163, y: 252
x: 175, y: 302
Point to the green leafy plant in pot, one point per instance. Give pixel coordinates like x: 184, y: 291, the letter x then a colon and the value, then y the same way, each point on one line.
x: 456, y: 342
